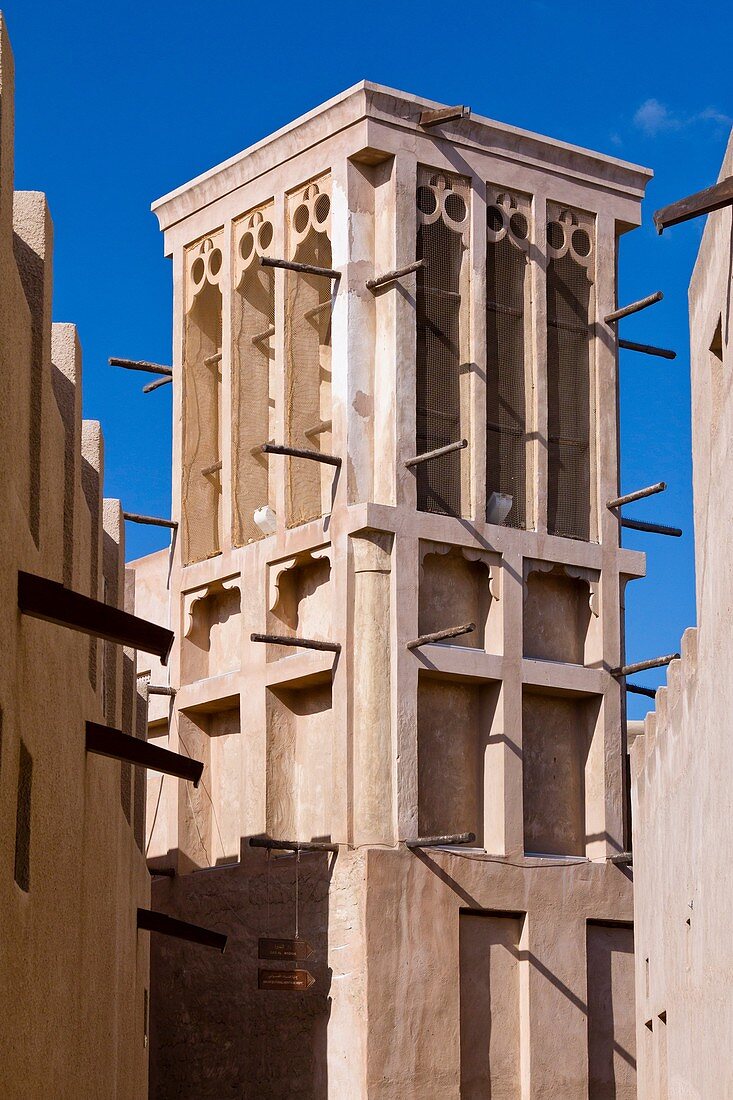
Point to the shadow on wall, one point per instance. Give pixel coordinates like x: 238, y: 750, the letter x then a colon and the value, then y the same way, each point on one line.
x: 492, y: 948
x: 213, y: 1033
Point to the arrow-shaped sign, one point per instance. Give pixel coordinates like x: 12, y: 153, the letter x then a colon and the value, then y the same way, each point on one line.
x: 284, y: 950
x: 290, y: 980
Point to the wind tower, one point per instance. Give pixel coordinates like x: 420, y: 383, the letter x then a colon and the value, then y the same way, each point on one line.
x: 397, y: 594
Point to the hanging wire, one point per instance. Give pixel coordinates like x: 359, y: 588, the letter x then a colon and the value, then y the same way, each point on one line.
x: 155, y: 817
x: 297, y: 870
x: 268, y: 924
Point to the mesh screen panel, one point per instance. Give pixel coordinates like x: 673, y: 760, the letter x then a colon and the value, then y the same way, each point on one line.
x: 252, y: 355
x: 201, y: 492
x: 506, y: 446
x: 441, y: 313
x: 568, y: 387
x: 308, y: 353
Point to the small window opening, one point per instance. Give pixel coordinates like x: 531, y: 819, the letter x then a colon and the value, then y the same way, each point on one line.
x: 23, y: 819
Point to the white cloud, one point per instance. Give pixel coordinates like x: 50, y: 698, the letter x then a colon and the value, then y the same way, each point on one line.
x: 655, y: 118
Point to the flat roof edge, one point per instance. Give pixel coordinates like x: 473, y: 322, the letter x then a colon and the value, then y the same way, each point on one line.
x: 168, y: 208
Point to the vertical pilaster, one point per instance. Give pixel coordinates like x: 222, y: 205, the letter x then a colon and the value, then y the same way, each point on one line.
x: 227, y: 424
x: 505, y: 745
x: 477, y: 366
x: 405, y: 587
x: 370, y: 685
x: 405, y: 339
x: 537, y: 426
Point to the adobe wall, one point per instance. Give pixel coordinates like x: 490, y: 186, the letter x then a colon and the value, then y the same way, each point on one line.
x: 73, y: 968
x: 682, y: 765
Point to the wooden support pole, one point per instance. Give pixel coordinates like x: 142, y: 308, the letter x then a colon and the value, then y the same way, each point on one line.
x: 260, y: 337
x: 107, y: 741
x: 299, y: 452
x: 212, y: 360
x: 444, y: 114
x: 647, y: 349
x: 141, y: 364
x: 638, y: 494
x: 439, y: 841
x: 214, y: 468
x: 151, y: 521
x: 637, y: 689
x: 302, y: 643
x: 292, y: 845
x: 306, y: 269
x: 49, y: 600
x: 622, y: 859
x: 157, y: 384
x: 149, y: 920
x: 428, y: 455
x: 654, y: 528
x: 641, y: 666
x: 702, y: 202
x: 393, y: 276
x: 319, y: 428
x: 161, y: 689
x: 439, y: 635
x: 162, y: 872
x: 634, y: 307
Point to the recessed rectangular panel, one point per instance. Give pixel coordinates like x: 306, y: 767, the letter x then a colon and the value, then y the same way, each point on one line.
x: 507, y: 245
x: 489, y: 1000
x: 570, y: 263
x: 442, y: 312
x: 555, y: 739
x: 308, y: 307
x: 202, y: 453
x: 253, y: 361
x: 611, y: 1019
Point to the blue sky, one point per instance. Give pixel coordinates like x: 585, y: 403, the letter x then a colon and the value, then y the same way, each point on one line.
x: 118, y: 104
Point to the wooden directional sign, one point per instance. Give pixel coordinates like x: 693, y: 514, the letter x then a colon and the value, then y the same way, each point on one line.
x: 284, y: 950
x: 289, y: 980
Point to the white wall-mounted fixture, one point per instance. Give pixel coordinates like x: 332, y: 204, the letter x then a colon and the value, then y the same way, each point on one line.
x: 265, y: 519
x: 498, y: 507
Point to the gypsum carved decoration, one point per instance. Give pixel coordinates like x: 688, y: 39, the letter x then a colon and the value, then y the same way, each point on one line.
x: 310, y: 212
x: 508, y: 217
x: 204, y: 267
x: 576, y: 572
x: 492, y: 562
x: 278, y: 570
x: 213, y: 588
x: 254, y: 236
x: 570, y: 231
x: 444, y: 197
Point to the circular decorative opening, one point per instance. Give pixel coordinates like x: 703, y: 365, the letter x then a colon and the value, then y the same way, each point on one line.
x: 494, y: 219
x: 518, y: 225
x: 301, y: 217
x: 197, y: 269
x: 321, y: 208
x: 455, y: 207
x: 215, y: 262
x: 426, y: 200
x: 581, y: 242
x: 555, y: 235
x: 265, y: 235
x: 246, y: 245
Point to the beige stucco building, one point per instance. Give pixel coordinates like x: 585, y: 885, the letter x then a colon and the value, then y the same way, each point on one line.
x: 682, y: 765
x: 503, y: 966
x: 73, y: 966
